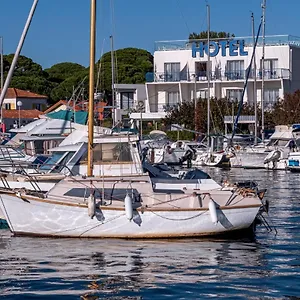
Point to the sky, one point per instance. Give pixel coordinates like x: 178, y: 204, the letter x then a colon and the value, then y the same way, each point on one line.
x: 59, y: 31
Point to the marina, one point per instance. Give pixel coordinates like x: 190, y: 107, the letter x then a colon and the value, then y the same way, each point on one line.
x: 172, y: 175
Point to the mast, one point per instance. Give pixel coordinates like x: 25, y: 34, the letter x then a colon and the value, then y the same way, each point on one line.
x: 263, y: 71
x: 113, y: 79
x: 91, y: 88
x: 17, y: 53
x: 208, y: 70
x: 254, y: 83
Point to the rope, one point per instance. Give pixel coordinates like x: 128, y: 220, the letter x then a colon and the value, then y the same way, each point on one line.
x: 184, y: 219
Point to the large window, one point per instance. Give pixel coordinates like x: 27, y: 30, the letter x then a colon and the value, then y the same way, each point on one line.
x: 270, y: 97
x: 234, y: 94
x: 271, y: 68
x: 111, y: 152
x: 235, y: 70
x: 126, y: 100
x: 172, y: 72
x: 172, y: 99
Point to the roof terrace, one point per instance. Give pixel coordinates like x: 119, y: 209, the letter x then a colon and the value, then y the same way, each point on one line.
x: 270, y: 40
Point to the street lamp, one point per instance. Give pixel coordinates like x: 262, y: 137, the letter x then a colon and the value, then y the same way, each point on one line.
x: 19, y: 104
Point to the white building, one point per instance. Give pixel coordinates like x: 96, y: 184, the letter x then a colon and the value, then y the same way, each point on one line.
x: 180, y: 68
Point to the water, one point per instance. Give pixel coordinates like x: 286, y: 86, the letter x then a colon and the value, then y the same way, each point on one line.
x: 266, y: 266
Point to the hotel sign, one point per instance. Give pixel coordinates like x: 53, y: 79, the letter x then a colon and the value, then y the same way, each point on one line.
x: 226, y: 47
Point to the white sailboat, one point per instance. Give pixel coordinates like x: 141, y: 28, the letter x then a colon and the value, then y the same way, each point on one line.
x: 128, y: 206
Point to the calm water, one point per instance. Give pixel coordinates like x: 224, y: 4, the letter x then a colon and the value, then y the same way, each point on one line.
x: 264, y: 267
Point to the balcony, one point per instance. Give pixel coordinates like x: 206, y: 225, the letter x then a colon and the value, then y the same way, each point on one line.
x: 219, y: 75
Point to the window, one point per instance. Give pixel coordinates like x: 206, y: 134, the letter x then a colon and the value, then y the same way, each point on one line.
x: 126, y: 100
x: 172, y: 72
x: 235, y: 70
x: 37, y: 106
x: 111, y: 152
x: 234, y: 94
x: 203, y: 94
x: 7, y: 105
x: 172, y: 99
x: 270, y: 97
x: 270, y: 66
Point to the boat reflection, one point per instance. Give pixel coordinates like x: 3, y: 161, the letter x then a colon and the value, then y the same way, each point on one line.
x: 95, y: 268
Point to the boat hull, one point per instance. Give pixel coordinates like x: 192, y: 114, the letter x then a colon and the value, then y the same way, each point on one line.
x: 45, y: 218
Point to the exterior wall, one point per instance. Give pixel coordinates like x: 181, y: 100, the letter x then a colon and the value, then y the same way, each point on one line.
x: 139, y: 94
x: 27, y: 103
x: 295, y: 69
x: 33, y: 103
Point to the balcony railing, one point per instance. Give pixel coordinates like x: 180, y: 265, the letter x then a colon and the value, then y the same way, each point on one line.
x: 219, y: 75
x: 271, y: 40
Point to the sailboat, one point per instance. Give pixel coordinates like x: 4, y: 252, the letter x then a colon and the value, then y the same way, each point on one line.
x: 129, y: 206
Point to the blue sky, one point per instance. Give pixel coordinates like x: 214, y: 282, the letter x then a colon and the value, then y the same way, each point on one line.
x: 60, y: 29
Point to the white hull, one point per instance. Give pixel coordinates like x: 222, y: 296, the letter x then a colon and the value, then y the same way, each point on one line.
x: 42, y: 218
x: 249, y: 160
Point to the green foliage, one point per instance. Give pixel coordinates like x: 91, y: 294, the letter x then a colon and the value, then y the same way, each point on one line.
x: 62, y: 71
x: 212, y: 34
x: 185, y: 115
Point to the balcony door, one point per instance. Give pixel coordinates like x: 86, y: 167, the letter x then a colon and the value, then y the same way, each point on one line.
x: 235, y: 70
x: 172, y: 72
x: 271, y: 68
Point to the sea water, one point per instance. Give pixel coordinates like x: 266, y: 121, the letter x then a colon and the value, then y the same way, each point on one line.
x: 263, y: 266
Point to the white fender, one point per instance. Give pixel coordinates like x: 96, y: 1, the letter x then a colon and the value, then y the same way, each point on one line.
x: 213, y: 211
x: 91, y: 206
x: 128, y: 207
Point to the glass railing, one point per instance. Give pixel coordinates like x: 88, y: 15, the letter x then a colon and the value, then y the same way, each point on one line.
x: 271, y: 40
x: 220, y: 75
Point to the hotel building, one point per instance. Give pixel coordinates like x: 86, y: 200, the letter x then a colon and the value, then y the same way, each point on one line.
x: 181, y: 70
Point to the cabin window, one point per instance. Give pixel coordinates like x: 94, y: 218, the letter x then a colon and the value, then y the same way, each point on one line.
x: 126, y: 100
x: 111, y: 152
x: 235, y: 70
x: 7, y: 105
x: 29, y: 148
x: 51, y: 161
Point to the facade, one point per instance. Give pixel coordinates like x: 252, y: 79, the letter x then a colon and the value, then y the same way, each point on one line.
x: 21, y: 107
x: 181, y: 71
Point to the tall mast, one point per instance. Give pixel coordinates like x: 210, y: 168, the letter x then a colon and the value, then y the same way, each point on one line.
x: 91, y: 88
x: 113, y: 79
x: 263, y: 71
x: 17, y: 53
x: 254, y: 83
x: 208, y: 70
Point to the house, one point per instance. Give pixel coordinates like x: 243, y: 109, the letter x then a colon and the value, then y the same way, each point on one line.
x: 21, y: 107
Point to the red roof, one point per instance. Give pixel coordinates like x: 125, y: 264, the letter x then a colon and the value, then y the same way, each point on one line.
x: 78, y: 106
x: 24, y: 113
x: 17, y: 93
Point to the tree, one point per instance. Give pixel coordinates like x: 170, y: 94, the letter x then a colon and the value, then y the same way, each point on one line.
x: 60, y: 72
x: 213, y: 35
x: 185, y: 115
x: 131, y: 64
